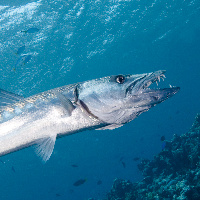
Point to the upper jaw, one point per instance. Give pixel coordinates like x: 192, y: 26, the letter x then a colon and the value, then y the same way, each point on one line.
x: 145, y: 81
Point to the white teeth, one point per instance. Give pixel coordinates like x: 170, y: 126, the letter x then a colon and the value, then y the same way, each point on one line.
x: 163, y: 76
x: 170, y: 86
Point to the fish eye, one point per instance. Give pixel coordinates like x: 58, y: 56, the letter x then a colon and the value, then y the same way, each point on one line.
x: 120, y: 79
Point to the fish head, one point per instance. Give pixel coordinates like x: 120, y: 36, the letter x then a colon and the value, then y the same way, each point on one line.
x: 120, y: 99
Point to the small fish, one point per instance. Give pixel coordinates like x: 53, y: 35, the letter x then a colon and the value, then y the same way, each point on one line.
x: 27, y: 58
x: 136, y: 159
x: 20, y: 50
x: 99, y: 182
x: 58, y: 195
x: 74, y: 165
x: 13, y: 169
x: 20, y: 62
x: 121, y: 159
x: 79, y: 182
x: 124, y: 165
x: 31, y: 30
x: 162, y: 138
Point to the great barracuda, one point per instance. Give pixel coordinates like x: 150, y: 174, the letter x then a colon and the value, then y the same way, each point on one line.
x: 104, y: 103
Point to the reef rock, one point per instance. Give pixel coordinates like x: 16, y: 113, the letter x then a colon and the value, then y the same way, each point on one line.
x: 173, y: 174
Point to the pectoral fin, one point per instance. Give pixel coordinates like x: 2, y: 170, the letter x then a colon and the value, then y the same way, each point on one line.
x: 44, y: 147
x: 66, y: 103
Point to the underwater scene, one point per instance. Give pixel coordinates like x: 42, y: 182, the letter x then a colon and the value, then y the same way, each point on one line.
x: 111, y: 61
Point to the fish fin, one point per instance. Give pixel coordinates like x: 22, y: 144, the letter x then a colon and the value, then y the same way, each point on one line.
x: 66, y: 103
x: 44, y: 147
x: 7, y: 98
x: 110, y: 127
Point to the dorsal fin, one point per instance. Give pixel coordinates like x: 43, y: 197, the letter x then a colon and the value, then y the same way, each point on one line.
x: 7, y: 98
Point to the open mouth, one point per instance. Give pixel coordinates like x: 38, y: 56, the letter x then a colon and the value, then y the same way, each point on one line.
x: 142, y: 84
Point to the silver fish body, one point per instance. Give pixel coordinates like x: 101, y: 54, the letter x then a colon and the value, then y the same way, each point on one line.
x: 104, y: 103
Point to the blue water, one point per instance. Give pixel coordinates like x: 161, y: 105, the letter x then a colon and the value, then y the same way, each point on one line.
x: 82, y: 40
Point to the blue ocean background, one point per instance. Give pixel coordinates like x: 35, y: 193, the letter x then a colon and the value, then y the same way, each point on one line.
x: 81, y: 40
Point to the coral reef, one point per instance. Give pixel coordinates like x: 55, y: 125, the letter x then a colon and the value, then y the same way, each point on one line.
x: 173, y: 174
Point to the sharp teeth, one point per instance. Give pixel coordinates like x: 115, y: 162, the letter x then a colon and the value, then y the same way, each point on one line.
x: 159, y: 78
x: 156, y: 83
x: 170, y: 86
x: 162, y: 75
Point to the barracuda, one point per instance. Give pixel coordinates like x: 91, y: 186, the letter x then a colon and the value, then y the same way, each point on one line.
x: 105, y: 103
